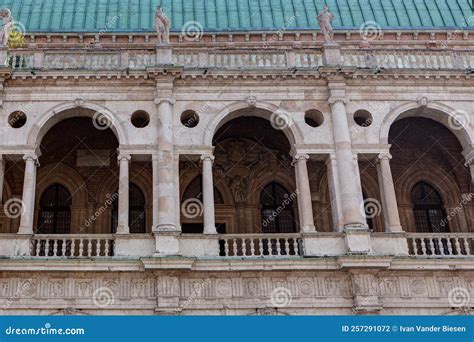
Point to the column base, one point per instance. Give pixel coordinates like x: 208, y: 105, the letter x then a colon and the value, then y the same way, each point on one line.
x: 210, y: 230
x: 25, y: 231
x: 308, y: 229
x: 165, y: 227
x: 358, y: 241
x: 123, y: 230
x: 167, y: 244
x: 396, y: 229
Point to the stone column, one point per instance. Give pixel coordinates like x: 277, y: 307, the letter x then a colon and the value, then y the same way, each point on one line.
x: 334, y: 193
x: 155, y: 193
x: 304, y: 194
x: 208, y: 195
x: 165, y: 176
x: 123, y: 193
x: 387, y: 191
x: 350, y: 194
x: 28, y: 197
x: 2, y: 177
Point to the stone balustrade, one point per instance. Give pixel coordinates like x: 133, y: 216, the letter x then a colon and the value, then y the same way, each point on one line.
x: 431, y: 245
x: 261, y: 245
x: 241, y: 246
x: 234, y: 59
x: 72, y: 246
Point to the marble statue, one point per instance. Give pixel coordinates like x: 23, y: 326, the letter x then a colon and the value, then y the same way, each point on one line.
x: 163, y: 26
x: 324, y: 20
x: 7, y: 26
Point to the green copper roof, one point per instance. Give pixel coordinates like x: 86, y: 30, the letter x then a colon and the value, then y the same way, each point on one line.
x: 235, y: 15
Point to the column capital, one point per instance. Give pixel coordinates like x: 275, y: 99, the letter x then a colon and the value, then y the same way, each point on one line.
x: 169, y: 100
x: 207, y: 157
x: 124, y: 156
x: 335, y: 98
x: 300, y: 157
x: 31, y: 156
x: 384, y: 155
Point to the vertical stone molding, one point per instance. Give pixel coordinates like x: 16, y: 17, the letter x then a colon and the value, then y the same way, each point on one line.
x: 155, y: 190
x: 208, y: 194
x: 334, y: 193
x: 28, y: 197
x: 2, y: 177
x: 304, y: 194
x: 387, y: 192
x: 165, y: 174
x: 350, y: 194
x: 123, y: 193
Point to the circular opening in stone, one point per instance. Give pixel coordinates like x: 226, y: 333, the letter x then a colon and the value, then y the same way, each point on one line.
x: 313, y: 118
x: 190, y: 118
x: 363, y: 118
x: 140, y: 119
x: 17, y: 119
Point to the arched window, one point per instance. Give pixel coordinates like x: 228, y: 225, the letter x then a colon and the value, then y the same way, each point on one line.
x: 277, y: 209
x: 136, y: 211
x: 428, y: 209
x: 55, y: 211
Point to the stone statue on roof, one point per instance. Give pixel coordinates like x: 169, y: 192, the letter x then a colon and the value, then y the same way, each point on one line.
x: 163, y: 26
x: 324, y: 20
x: 7, y: 26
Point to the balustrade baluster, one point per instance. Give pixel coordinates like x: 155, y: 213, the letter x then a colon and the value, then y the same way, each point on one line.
x: 226, y: 247
x: 260, y: 246
x: 423, y: 246
x: 89, y: 247
x: 234, y: 247
x: 432, y: 247
x: 81, y: 247
x: 457, y: 245
x: 449, y: 245
x: 106, y: 248
x: 278, y: 250
x: 252, y: 247
x: 55, y: 247
x: 287, y: 246
x: 440, y: 246
x: 467, y: 247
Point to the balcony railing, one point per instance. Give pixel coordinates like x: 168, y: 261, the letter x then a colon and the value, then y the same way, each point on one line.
x: 261, y: 245
x: 72, y: 246
x: 441, y: 245
x: 235, y: 59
